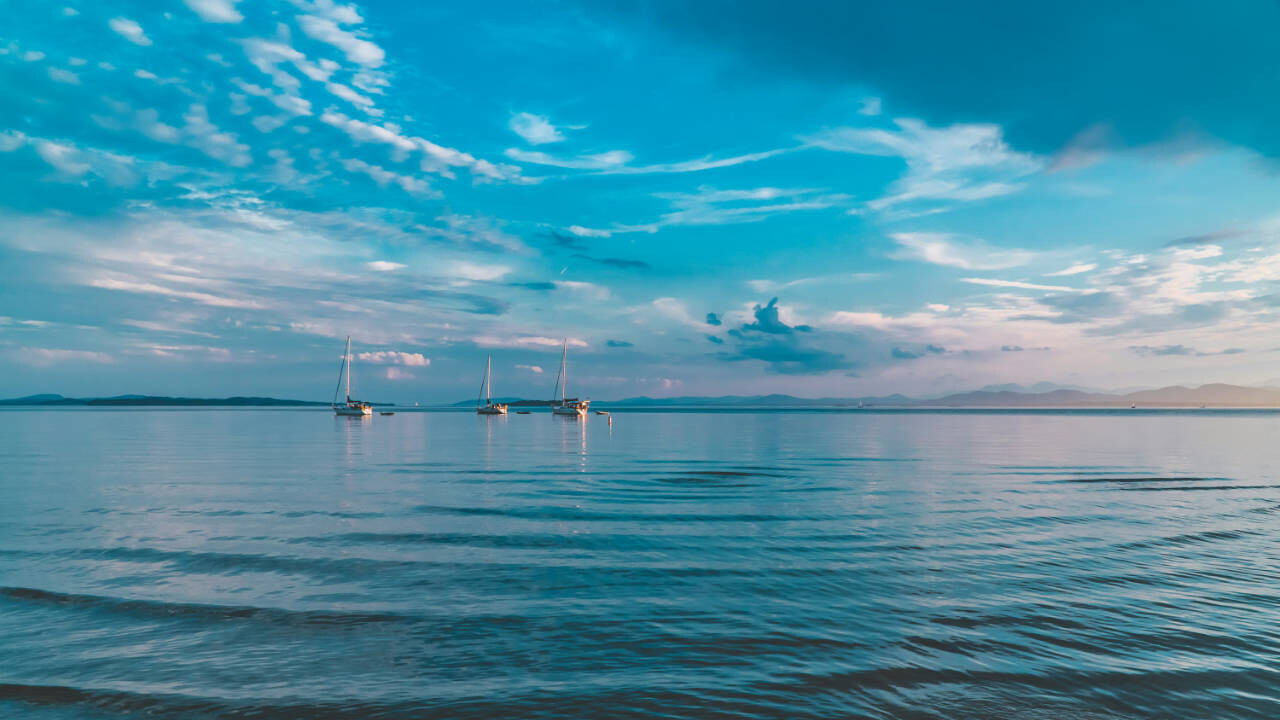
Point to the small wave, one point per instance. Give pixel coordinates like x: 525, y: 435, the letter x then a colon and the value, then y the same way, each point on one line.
x: 578, y: 514
x: 1132, y: 480
x: 160, y: 609
x: 1207, y: 536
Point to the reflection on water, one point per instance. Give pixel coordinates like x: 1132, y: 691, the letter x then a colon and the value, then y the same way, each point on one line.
x: 293, y: 564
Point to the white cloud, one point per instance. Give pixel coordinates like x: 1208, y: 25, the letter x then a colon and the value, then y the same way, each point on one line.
x: 208, y: 139
x: 535, y: 369
x: 870, y: 106
x: 63, y: 157
x: 203, y: 298
x: 358, y: 50
x: 1018, y: 284
x: 1073, y: 270
x: 63, y: 76
x: 392, y: 357
x: 435, y: 158
x: 535, y: 129
x: 129, y: 30
x: 394, y: 373
x: 32, y: 56
x: 963, y: 163
x: 597, y: 161
x: 597, y: 293
x: 70, y: 11
x: 698, y: 165
x: 617, y: 162
x: 1202, y: 252
x: 384, y: 177
x: 675, y: 310
x: 215, y: 11
x: 526, y: 341
x: 475, y: 272
x: 940, y: 249
x: 384, y: 266
x: 44, y: 357
x: 588, y: 232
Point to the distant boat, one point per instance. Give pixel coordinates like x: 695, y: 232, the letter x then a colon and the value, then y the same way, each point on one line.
x: 351, y: 407
x: 385, y: 413
x: 522, y: 412
x: 602, y: 412
x: 1132, y: 405
x: 489, y: 408
x: 564, y: 406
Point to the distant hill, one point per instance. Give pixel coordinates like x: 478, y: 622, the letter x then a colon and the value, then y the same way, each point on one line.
x: 152, y: 400
x: 1212, y: 395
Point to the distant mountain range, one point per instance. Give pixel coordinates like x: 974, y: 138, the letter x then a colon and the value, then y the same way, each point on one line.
x: 1212, y: 395
x: 153, y: 400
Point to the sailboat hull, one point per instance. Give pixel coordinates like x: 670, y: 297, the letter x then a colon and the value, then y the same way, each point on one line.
x: 353, y: 412
x: 575, y: 412
x: 491, y: 411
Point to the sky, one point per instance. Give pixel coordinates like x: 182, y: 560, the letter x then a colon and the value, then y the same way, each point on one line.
x: 206, y: 197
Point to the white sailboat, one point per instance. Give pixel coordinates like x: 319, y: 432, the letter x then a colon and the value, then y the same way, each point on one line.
x: 489, y: 408
x: 351, y: 407
x: 564, y: 406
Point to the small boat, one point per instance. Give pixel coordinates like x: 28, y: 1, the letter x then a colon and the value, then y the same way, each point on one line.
x: 1133, y: 406
x: 385, y: 413
x: 489, y: 408
x: 567, y: 407
x: 357, y: 408
x: 522, y: 412
x: 602, y: 412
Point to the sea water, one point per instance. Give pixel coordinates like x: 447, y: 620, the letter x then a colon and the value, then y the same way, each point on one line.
x: 242, y: 563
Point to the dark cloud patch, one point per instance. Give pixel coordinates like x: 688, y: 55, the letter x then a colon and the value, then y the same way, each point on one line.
x: 1086, y: 307
x: 1184, y: 317
x: 714, y: 339
x: 1200, y: 66
x: 1207, y: 238
x: 539, y: 286
x: 563, y: 240
x: 620, y: 263
x: 618, y: 343
x: 900, y: 354
x: 935, y: 349
x: 1183, y: 350
x: 1011, y: 348
x: 713, y: 319
x: 784, y: 357
x: 775, y: 343
x: 767, y: 321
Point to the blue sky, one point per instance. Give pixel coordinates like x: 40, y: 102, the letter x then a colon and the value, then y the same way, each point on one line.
x: 205, y: 197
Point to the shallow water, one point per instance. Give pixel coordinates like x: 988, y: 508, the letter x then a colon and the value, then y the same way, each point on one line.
x: 289, y: 564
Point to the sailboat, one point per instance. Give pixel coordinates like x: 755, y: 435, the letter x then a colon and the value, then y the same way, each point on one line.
x: 563, y: 405
x: 489, y: 408
x: 351, y: 407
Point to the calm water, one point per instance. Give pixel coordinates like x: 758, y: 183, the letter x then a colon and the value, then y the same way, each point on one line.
x: 289, y: 564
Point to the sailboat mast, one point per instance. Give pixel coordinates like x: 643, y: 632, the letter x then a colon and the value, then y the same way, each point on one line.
x: 488, y: 389
x: 564, y: 371
x: 348, y: 358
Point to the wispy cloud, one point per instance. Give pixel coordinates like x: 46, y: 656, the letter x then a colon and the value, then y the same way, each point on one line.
x: 129, y: 30
x: 215, y: 11
x: 958, y: 163
x: 535, y: 129
x: 1017, y: 284
x: 944, y: 249
x: 44, y: 357
x: 1074, y: 270
x: 711, y: 206
x: 392, y: 357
